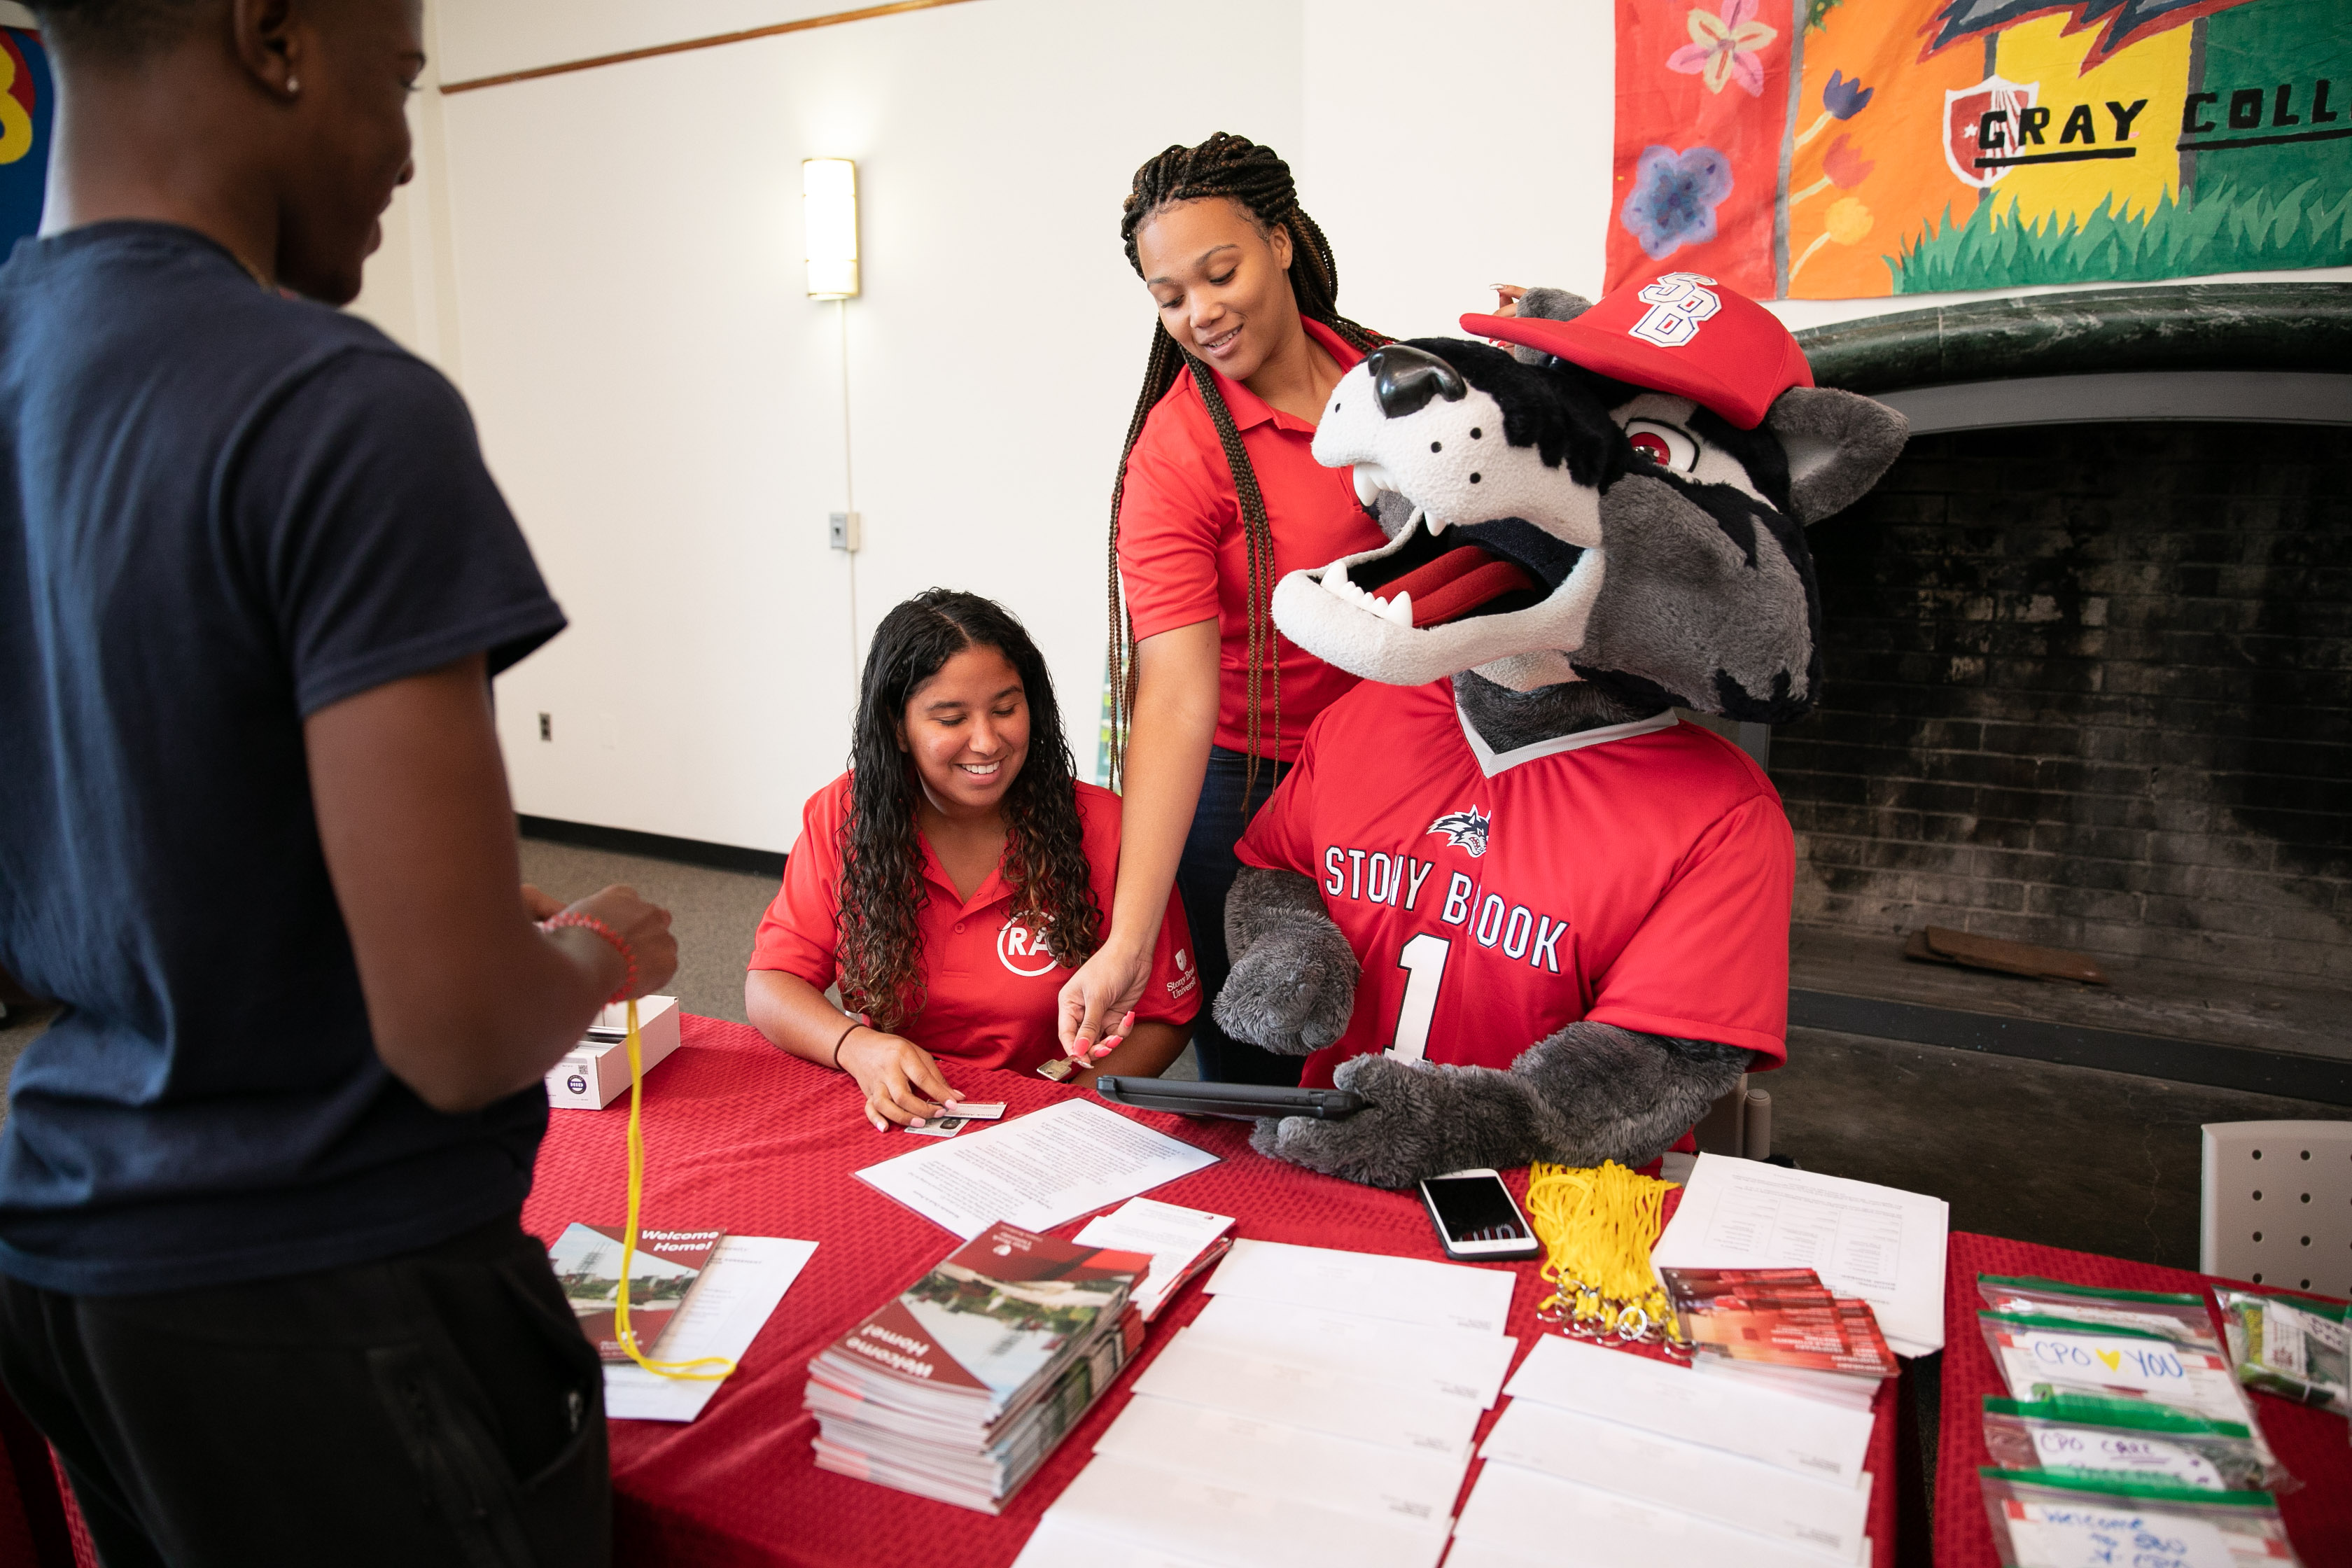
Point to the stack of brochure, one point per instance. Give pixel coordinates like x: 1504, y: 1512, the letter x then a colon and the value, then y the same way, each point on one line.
x: 1181, y: 1242
x: 1637, y: 1459
x: 1783, y: 1327
x: 957, y: 1388
x: 1317, y: 1414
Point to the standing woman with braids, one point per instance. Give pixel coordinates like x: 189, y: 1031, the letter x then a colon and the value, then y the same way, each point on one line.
x: 952, y: 878
x: 1218, y: 497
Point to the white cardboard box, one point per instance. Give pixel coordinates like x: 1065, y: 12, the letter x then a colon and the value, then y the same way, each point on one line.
x: 594, y: 1073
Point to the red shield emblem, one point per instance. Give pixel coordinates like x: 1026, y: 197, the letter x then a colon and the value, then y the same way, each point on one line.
x: 1981, y: 122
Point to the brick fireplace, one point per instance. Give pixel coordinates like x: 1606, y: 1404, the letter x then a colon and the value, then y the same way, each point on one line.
x: 2089, y: 686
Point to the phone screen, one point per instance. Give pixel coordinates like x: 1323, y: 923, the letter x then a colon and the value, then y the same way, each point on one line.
x: 1474, y: 1209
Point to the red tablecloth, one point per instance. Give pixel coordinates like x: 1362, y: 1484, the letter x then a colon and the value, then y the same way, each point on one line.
x: 2312, y: 1444
x: 740, y: 1136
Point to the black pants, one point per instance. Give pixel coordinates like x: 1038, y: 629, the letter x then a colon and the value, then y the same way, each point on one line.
x: 438, y: 1408
x: 1204, y: 877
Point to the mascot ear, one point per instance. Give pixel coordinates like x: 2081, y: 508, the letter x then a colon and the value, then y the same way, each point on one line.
x: 1838, y: 444
x: 1553, y: 305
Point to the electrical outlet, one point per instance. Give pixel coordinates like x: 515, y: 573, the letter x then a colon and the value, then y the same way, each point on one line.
x: 546, y: 726
x: 842, y: 530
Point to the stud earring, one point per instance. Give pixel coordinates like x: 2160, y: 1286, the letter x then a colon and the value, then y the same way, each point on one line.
x: 293, y: 88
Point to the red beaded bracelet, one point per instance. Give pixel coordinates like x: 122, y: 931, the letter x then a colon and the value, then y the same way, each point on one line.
x: 589, y: 922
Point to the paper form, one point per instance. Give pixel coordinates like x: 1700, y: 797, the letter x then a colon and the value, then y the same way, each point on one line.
x: 1173, y: 1235
x: 1036, y: 1170
x: 740, y: 1286
x: 1457, y: 1362
x: 1401, y: 1290
x: 1185, y: 1517
x: 1412, y: 1489
x: 1057, y: 1543
x: 1516, y: 1515
x: 1880, y: 1244
x: 1202, y: 1373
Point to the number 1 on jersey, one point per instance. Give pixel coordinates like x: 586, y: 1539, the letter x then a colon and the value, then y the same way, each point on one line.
x: 1423, y: 959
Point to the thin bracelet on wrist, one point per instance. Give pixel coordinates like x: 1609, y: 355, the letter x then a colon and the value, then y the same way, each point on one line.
x: 854, y: 1025
x: 589, y: 922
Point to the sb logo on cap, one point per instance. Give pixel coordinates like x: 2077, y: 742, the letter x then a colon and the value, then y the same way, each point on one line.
x: 1677, y: 305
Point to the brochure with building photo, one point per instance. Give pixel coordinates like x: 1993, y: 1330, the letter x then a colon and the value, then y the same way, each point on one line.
x: 662, y: 1271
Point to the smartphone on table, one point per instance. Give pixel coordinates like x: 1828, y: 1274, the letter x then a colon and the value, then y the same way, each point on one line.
x: 1476, y: 1220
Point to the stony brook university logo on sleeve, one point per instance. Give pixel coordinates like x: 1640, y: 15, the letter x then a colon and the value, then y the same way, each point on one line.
x: 1678, y: 302
x: 1187, y: 977
x: 1023, y: 951
x: 1466, y: 828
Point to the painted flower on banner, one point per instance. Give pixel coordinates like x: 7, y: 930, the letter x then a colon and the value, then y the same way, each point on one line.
x: 1845, y: 97
x: 1674, y: 199
x: 1725, y: 46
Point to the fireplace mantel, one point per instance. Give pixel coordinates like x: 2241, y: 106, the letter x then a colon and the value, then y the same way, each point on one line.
x: 2272, y: 353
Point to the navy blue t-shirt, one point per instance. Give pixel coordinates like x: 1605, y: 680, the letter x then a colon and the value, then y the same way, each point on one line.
x: 220, y: 511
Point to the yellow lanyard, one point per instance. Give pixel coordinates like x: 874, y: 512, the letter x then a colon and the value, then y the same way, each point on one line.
x: 1597, y: 1227
x: 683, y: 1369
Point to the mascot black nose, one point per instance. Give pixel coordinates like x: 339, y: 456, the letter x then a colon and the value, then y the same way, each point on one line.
x: 1406, y: 378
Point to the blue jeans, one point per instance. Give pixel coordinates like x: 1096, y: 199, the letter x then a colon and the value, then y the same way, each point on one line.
x: 1204, y: 877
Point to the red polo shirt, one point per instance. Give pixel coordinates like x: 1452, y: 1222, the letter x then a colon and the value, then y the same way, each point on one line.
x: 1639, y: 875
x: 992, y: 989
x: 1183, y: 557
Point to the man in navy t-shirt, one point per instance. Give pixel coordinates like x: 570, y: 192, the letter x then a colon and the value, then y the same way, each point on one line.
x: 262, y: 1278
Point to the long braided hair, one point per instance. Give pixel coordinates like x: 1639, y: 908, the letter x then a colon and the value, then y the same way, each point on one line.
x: 1257, y: 181
x: 879, y: 944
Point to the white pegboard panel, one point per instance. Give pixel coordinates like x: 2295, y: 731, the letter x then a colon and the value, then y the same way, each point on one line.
x: 2276, y: 1203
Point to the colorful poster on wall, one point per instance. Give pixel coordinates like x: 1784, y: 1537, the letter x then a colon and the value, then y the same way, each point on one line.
x: 1843, y: 149
x: 26, y: 103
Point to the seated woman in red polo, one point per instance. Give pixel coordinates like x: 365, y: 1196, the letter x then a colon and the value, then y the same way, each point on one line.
x: 952, y: 879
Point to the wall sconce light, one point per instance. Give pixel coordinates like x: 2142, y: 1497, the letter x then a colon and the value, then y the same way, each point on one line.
x: 829, y: 212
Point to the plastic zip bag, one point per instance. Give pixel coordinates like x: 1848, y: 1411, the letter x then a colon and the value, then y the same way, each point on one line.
x: 2295, y: 1346
x: 2178, y: 1315
x: 2045, y: 1520
x: 2127, y: 1440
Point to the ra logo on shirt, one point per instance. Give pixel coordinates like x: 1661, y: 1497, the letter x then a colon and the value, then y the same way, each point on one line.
x: 1466, y: 828
x: 1023, y: 951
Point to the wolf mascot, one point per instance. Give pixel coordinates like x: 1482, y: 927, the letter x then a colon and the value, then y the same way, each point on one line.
x: 1505, y: 895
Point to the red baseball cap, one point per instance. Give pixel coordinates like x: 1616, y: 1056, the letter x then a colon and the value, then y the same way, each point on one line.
x: 1680, y: 333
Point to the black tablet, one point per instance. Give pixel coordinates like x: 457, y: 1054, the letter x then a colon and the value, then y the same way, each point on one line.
x: 1246, y: 1101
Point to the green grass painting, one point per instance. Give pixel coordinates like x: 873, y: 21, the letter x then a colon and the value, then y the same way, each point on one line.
x: 2219, y: 231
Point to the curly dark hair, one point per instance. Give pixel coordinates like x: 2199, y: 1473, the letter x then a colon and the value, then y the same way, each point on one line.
x: 1258, y: 181
x: 117, y: 30
x: 879, y: 945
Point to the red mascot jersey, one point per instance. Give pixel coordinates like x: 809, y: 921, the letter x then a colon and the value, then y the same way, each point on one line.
x: 1639, y: 875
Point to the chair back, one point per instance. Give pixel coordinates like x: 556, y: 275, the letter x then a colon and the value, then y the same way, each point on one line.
x: 2275, y: 1205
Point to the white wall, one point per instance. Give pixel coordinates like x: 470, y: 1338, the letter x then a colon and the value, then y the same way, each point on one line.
x: 661, y: 402
x: 609, y: 262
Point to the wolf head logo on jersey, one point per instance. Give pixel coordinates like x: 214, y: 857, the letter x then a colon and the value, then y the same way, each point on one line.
x: 1621, y: 501
x: 1466, y: 828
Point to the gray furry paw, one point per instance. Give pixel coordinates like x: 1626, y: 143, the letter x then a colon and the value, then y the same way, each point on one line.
x: 1392, y: 1142
x: 1292, y: 990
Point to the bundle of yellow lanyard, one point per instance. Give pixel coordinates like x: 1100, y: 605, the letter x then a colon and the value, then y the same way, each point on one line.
x: 684, y: 1370
x: 1597, y: 1227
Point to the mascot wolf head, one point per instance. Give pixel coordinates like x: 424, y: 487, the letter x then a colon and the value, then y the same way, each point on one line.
x: 1621, y: 501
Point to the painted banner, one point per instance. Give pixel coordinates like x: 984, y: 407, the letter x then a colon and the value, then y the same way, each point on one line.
x: 26, y: 103
x: 1843, y: 149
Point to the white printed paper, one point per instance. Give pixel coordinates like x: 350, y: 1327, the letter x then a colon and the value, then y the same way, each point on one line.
x: 740, y: 1288
x: 1060, y: 1543
x: 1825, y: 1441
x: 1403, y: 1290
x: 1462, y: 1363
x: 1186, y: 1517
x: 1036, y: 1170
x: 2046, y: 1535
x: 2086, y: 1449
x: 1547, y: 1520
x: 1172, y: 1235
x: 1882, y: 1243
x: 1747, y: 1494
x: 1403, y: 1485
x: 1196, y: 1371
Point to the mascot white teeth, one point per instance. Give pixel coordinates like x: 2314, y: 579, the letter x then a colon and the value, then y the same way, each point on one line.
x: 1504, y: 896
